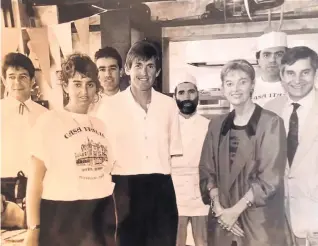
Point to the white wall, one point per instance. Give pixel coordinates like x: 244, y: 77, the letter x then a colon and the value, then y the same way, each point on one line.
x: 218, y: 51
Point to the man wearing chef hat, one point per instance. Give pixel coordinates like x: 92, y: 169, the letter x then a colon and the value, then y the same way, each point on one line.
x: 270, y: 49
x: 185, y: 171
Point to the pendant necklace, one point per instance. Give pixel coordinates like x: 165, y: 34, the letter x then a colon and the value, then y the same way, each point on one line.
x: 90, y: 122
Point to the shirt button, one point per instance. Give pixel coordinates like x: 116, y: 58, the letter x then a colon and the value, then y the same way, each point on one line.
x: 146, y: 156
x: 146, y: 137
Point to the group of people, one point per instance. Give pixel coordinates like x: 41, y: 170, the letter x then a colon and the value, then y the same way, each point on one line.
x: 132, y: 166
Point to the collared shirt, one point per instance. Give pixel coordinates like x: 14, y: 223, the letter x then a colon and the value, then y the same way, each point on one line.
x: 185, y: 171
x: 143, y: 142
x: 265, y: 91
x: 102, y: 98
x: 306, y: 104
x: 17, y: 121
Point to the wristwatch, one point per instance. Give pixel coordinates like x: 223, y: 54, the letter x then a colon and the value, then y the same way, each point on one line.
x: 33, y: 227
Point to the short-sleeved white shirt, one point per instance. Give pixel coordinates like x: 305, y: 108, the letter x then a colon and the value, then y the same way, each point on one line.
x: 143, y: 142
x: 76, y: 154
x: 16, y: 124
x: 266, y: 91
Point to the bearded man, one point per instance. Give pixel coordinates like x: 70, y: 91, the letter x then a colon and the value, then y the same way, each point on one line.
x: 185, y: 171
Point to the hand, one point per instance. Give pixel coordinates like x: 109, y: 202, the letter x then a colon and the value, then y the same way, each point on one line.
x: 32, y: 238
x: 229, y: 217
x: 218, y: 209
x: 236, y: 229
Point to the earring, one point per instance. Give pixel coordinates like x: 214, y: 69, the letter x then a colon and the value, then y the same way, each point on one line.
x: 251, y: 92
x: 96, y: 99
x: 66, y: 96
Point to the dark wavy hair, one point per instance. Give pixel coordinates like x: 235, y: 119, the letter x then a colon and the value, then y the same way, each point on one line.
x: 17, y: 60
x: 82, y: 64
x: 298, y: 53
x: 109, y: 52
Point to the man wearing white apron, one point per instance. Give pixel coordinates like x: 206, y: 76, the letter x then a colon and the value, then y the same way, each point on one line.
x: 270, y: 50
x: 185, y: 171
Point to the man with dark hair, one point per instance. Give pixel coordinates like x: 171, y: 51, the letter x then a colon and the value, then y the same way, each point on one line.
x: 299, y: 110
x: 185, y: 171
x: 270, y: 49
x: 144, y: 129
x: 18, y: 114
x: 110, y: 71
x: 109, y: 64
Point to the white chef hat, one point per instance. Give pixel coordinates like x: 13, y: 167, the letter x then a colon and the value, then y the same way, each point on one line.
x: 186, y: 77
x: 271, y: 39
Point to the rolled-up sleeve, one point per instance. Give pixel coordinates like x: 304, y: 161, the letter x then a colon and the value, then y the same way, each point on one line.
x: 207, y: 168
x: 272, y: 160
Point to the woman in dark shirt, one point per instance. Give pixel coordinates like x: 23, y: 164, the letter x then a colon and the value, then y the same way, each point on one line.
x: 242, y: 167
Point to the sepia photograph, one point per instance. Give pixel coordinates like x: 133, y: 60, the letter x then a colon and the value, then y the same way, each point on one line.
x: 159, y: 123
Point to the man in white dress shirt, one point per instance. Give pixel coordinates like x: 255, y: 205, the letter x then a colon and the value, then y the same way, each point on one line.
x: 144, y: 133
x: 270, y: 50
x: 18, y: 114
x: 299, y: 109
x: 185, y: 171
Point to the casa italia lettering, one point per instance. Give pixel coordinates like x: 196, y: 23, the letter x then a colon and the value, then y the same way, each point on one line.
x: 269, y: 95
x: 77, y: 130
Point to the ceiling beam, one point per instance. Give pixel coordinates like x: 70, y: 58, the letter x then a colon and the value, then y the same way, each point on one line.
x: 170, y: 10
x: 236, y: 30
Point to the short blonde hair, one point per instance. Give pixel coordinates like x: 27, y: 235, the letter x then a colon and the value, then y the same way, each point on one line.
x: 238, y: 65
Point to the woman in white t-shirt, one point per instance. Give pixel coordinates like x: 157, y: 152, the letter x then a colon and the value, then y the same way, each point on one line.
x: 69, y: 194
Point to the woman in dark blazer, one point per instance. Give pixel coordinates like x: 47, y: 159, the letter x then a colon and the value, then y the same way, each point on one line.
x: 242, y: 167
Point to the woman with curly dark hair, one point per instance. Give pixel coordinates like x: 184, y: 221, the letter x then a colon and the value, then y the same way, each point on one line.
x: 69, y: 194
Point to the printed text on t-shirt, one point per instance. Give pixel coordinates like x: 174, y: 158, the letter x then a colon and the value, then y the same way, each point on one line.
x: 80, y: 129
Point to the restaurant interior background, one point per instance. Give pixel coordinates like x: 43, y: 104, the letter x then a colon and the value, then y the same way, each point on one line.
x: 195, y: 36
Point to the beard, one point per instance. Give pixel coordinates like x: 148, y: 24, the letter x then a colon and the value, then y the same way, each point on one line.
x: 187, y: 106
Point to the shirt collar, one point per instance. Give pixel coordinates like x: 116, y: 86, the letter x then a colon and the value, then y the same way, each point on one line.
x: 102, y: 94
x: 16, y: 103
x: 251, y: 125
x: 306, y: 101
x: 190, y: 119
x: 131, y: 97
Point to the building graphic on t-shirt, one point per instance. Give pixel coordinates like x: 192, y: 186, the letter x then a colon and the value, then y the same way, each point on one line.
x: 92, y: 154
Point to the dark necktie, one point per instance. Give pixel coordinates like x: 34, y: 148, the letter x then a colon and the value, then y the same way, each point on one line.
x: 292, y: 138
